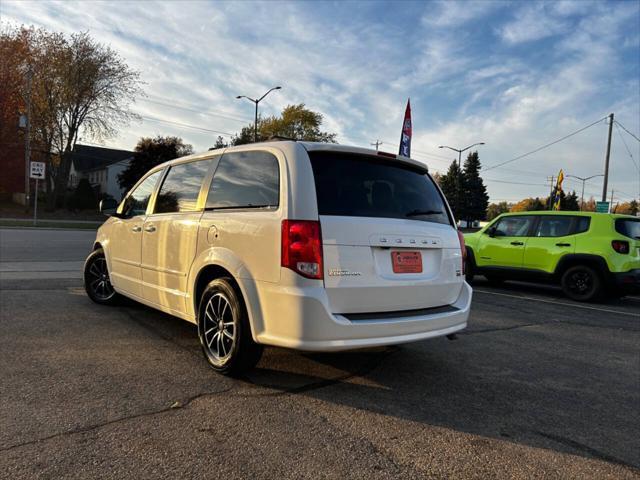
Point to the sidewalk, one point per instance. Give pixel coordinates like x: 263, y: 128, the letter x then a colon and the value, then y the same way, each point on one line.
x: 40, y: 270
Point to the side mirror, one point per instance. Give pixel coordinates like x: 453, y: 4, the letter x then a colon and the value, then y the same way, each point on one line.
x: 108, y: 206
x: 491, y: 232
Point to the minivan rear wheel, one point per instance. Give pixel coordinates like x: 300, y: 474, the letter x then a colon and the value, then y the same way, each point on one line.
x: 582, y: 283
x: 224, y: 331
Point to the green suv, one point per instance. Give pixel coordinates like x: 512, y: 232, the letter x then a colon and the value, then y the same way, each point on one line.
x: 588, y: 254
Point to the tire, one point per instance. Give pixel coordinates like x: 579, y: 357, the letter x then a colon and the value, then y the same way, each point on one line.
x: 224, y: 331
x: 97, y: 283
x: 582, y: 284
x: 469, y: 270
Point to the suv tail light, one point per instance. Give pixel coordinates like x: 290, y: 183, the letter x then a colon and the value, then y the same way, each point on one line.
x: 302, y: 247
x: 463, y: 249
x: 620, y: 246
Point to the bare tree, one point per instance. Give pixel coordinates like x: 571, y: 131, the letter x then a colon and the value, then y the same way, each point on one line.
x: 88, y: 88
x: 79, y: 86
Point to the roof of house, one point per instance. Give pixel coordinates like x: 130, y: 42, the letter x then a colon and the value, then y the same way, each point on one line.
x: 86, y: 157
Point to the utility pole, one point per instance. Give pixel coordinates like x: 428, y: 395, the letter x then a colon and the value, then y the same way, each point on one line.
x: 376, y: 144
x: 552, y: 180
x: 606, y: 160
x: 27, y: 140
x: 611, y: 203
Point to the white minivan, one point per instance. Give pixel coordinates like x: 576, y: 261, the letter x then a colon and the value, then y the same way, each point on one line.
x: 311, y: 246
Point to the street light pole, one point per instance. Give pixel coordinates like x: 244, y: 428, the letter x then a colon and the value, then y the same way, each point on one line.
x: 459, y: 186
x: 256, y: 102
x: 583, y: 182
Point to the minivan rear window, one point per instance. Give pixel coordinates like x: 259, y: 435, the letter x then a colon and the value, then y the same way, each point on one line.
x: 352, y: 185
x: 628, y: 227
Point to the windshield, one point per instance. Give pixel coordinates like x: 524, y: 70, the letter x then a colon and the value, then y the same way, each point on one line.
x: 366, y: 186
x: 628, y: 227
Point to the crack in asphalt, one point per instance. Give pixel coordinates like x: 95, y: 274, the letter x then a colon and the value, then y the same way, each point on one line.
x: 175, y: 406
x: 586, y: 449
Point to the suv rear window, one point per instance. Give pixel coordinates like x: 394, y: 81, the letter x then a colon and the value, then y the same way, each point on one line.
x: 352, y: 185
x: 628, y: 227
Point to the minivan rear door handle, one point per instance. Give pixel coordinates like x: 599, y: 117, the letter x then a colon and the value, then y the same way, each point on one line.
x: 563, y: 244
x: 517, y: 243
x: 150, y: 228
x: 136, y: 228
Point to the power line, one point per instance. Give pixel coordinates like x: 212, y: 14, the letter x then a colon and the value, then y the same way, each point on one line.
x: 209, y: 113
x: 623, y: 127
x: 186, y: 125
x: 545, y: 146
x: 626, y: 146
x: 514, y: 183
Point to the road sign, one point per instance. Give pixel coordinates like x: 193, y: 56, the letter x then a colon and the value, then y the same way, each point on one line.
x: 37, y: 170
x: 602, y: 207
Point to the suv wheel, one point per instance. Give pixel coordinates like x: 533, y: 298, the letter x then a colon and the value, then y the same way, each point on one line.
x: 469, y: 273
x: 223, y: 328
x: 97, y: 283
x: 582, y: 283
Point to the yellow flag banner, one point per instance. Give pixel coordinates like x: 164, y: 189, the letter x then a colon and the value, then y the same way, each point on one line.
x: 557, y: 190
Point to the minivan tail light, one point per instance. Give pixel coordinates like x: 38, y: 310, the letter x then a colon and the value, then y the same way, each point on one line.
x: 620, y: 246
x: 302, y: 247
x: 463, y: 249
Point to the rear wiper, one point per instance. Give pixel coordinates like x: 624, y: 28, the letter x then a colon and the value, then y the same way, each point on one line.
x: 415, y: 213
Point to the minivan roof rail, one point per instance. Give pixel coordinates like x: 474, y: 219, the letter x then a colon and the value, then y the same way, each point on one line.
x: 280, y: 138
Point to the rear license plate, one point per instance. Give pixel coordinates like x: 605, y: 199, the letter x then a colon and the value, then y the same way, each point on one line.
x: 406, y: 262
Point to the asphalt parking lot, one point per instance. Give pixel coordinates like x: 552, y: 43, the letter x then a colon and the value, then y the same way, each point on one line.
x: 538, y: 386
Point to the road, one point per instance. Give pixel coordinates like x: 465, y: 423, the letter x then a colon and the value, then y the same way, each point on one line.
x: 538, y: 386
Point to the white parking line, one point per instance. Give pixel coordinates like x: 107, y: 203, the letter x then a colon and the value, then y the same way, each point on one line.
x: 587, y: 307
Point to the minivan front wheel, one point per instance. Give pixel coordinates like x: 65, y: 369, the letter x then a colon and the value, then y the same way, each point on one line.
x: 97, y: 282
x: 582, y: 283
x: 224, y: 331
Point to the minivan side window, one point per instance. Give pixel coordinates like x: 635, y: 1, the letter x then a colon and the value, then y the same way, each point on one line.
x: 245, y: 180
x: 137, y: 201
x: 181, y: 187
x: 514, y: 226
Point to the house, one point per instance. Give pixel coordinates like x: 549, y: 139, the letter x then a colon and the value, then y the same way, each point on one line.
x: 100, y: 166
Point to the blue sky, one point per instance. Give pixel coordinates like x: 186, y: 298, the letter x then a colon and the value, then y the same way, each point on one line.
x: 515, y: 75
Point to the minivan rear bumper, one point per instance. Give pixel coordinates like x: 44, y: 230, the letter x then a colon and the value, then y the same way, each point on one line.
x: 300, y: 318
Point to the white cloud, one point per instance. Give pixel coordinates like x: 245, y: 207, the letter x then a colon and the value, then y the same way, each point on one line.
x: 532, y: 22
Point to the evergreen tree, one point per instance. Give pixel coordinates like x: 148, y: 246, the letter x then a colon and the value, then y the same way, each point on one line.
x: 150, y: 152
x: 570, y: 202
x: 450, y: 185
x: 83, y: 197
x: 474, y: 199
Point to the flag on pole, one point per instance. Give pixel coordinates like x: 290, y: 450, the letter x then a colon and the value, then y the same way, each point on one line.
x: 405, y: 137
x: 557, y: 191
